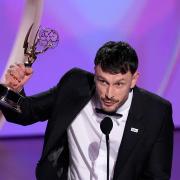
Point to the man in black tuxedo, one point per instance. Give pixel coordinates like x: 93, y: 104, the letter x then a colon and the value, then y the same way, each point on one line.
x: 141, y: 141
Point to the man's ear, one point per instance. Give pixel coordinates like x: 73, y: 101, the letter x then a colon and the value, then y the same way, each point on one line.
x: 134, y: 79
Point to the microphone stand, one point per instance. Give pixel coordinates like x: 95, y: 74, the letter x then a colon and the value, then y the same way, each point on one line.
x: 106, y: 127
x: 107, y: 146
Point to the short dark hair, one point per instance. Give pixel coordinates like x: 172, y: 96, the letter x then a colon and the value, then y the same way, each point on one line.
x: 117, y: 57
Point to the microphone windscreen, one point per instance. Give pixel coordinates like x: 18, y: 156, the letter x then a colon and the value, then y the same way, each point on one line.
x: 106, y: 125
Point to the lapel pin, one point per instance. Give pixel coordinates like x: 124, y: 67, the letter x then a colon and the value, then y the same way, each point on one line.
x: 134, y: 130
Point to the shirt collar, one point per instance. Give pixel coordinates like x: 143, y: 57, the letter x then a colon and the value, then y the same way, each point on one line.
x: 126, y: 104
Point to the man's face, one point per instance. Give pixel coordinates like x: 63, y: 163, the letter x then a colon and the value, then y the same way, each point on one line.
x: 113, y: 89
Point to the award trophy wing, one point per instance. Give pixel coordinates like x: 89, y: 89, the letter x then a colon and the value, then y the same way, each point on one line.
x: 45, y: 39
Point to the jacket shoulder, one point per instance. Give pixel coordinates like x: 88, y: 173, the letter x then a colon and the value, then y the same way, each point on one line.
x: 76, y: 77
x: 152, y: 98
x: 77, y: 72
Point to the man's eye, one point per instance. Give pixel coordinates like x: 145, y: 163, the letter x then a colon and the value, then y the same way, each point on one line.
x: 102, y: 81
x: 119, y: 84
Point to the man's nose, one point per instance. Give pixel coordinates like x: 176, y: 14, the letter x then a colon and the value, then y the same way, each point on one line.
x: 109, y: 92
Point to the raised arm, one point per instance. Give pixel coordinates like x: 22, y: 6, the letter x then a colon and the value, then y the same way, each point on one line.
x: 35, y: 108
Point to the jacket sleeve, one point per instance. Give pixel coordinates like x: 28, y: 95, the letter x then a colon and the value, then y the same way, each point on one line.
x: 35, y: 108
x: 160, y: 158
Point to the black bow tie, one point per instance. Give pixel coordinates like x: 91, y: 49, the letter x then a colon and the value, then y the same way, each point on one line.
x: 101, y: 111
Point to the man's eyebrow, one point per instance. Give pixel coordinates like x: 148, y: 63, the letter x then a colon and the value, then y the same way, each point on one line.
x: 119, y: 80
x: 122, y: 80
x: 99, y: 76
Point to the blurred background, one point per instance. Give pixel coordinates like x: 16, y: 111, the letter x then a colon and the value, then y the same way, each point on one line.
x: 152, y: 27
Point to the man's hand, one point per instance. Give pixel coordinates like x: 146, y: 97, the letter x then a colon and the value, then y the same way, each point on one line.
x: 17, y: 75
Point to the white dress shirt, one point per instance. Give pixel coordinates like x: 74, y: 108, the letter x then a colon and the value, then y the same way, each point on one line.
x: 87, y: 144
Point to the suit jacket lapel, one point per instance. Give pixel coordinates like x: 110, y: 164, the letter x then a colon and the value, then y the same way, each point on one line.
x: 132, y: 132
x: 66, y: 111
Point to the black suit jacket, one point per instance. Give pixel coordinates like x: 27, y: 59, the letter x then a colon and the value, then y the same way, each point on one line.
x: 143, y: 155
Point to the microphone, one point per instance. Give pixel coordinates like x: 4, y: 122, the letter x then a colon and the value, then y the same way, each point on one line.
x: 106, y: 126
